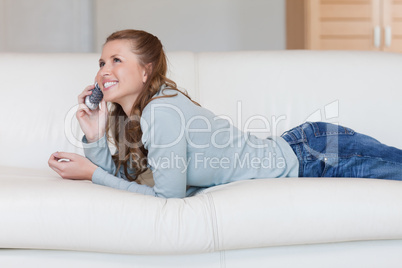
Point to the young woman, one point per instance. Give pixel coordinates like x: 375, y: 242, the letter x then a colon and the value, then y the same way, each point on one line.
x: 155, y: 125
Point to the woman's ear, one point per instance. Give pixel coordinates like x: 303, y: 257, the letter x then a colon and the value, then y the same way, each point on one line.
x: 146, y: 72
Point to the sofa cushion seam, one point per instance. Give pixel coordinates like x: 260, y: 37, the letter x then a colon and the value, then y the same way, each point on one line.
x: 214, y: 222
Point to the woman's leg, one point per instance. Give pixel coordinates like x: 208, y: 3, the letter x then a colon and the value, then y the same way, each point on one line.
x: 328, y: 150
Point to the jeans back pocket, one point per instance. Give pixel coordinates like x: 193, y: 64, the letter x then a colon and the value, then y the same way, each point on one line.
x: 321, y: 129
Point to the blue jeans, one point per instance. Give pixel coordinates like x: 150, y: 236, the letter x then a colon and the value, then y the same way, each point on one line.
x: 328, y: 150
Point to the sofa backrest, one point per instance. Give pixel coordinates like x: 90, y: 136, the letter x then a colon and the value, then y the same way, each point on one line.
x: 264, y: 92
x: 361, y: 90
x: 39, y: 99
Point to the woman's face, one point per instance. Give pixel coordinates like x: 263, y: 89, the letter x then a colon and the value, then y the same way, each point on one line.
x: 120, y: 76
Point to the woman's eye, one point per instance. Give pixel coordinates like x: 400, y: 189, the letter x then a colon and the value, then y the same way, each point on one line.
x: 116, y: 60
x: 101, y: 64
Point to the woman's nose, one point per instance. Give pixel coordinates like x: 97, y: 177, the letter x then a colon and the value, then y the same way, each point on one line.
x: 105, y: 70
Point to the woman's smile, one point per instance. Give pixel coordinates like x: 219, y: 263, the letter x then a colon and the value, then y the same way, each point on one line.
x: 108, y: 84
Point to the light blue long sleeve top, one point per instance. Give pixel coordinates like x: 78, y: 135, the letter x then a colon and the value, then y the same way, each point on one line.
x: 190, y: 148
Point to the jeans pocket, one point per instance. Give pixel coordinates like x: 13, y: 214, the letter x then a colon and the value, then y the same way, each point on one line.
x: 322, y: 129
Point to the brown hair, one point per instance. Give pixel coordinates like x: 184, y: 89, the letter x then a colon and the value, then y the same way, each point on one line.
x: 125, y: 130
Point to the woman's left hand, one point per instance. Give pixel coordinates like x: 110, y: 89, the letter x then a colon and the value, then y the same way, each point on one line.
x: 72, y: 166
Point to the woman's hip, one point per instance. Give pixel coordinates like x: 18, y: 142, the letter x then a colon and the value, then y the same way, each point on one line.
x: 329, y: 150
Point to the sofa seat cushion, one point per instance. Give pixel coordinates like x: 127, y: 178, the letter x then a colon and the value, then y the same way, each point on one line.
x: 42, y: 211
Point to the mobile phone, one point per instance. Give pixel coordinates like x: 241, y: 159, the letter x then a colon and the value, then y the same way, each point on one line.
x: 93, y: 100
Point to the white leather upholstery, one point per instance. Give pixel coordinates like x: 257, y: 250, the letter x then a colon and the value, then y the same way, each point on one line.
x: 229, y: 224
x: 359, y: 254
x: 287, y: 88
x: 51, y: 213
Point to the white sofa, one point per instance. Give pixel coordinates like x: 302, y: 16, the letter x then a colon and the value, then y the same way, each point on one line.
x: 46, y: 221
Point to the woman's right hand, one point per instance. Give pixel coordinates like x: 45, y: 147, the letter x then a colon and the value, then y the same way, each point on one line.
x: 93, y: 123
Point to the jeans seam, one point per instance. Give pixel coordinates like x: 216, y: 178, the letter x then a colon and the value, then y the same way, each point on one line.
x: 371, y: 157
x: 325, y: 169
x: 295, y: 142
x: 317, y: 133
x: 300, y: 158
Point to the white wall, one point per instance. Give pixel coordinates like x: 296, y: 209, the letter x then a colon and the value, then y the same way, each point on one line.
x: 46, y: 26
x: 203, y: 25
x: 192, y: 25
